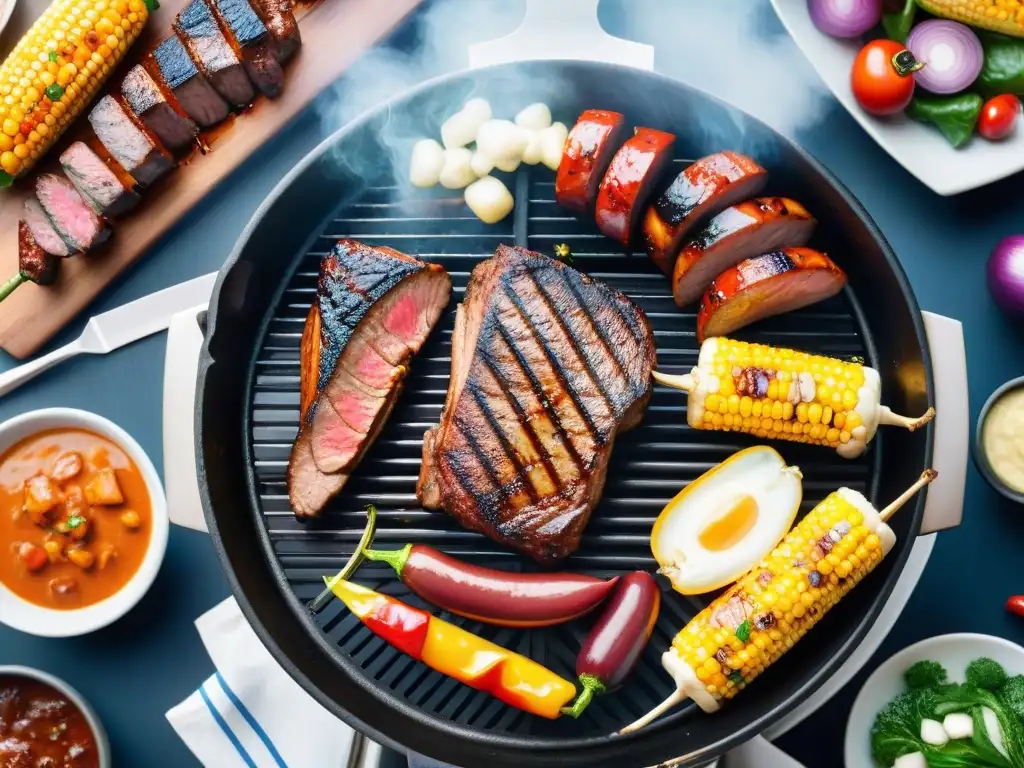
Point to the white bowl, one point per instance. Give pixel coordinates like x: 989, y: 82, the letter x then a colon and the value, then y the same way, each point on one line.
x: 20, y: 614
x: 954, y: 652
x: 919, y: 148
x: 91, y: 718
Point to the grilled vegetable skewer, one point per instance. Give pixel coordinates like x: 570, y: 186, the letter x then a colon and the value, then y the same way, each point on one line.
x: 750, y: 626
x: 780, y: 393
x: 55, y: 70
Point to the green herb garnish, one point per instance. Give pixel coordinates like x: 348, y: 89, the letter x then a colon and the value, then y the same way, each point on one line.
x: 52, y: 56
x: 74, y: 521
x: 54, y: 92
x: 736, y: 677
x: 743, y: 631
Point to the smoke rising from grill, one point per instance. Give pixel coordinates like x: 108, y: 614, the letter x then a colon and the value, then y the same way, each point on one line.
x: 734, y: 49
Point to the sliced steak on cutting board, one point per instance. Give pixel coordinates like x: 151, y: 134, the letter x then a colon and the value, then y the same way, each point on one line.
x: 373, y: 310
x: 548, y: 365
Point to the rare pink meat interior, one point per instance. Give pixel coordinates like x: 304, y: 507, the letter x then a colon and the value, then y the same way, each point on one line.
x: 373, y: 310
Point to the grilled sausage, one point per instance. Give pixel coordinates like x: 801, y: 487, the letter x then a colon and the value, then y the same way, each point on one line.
x: 739, y: 232
x: 703, y: 189
x: 764, y: 286
x: 630, y: 180
x: 588, y: 150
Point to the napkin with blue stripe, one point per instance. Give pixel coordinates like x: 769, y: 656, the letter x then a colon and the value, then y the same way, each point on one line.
x: 250, y: 713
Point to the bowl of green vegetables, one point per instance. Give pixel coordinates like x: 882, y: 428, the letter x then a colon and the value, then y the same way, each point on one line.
x: 953, y: 701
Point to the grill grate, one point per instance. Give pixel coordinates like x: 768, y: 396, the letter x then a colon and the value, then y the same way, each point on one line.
x: 648, y: 466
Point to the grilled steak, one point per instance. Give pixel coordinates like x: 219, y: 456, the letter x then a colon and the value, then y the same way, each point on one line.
x: 73, y: 218
x: 102, y: 188
x: 33, y: 262
x: 199, y: 32
x: 373, y: 310
x: 548, y: 365
x: 252, y: 44
x: 42, y: 230
x: 127, y: 143
x: 284, y: 30
x: 171, y: 62
x: 144, y: 97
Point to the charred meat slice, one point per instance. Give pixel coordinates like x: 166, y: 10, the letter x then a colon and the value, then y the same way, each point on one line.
x: 248, y: 36
x: 702, y: 189
x: 630, y: 181
x: 42, y: 229
x: 739, y: 232
x: 192, y: 90
x: 74, y: 219
x: 280, y: 22
x: 373, y: 310
x: 198, y: 30
x: 767, y: 285
x: 548, y: 366
x: 33, y: 262
x: 127, y: 143
x: 144, y: 97
x: 97, y: 183
x: 591, y: 144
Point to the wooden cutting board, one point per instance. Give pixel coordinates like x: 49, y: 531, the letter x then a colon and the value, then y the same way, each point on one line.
x: 334, y: 34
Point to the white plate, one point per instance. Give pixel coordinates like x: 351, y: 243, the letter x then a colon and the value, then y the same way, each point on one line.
x: 954, y: 652
x: 919, y: 148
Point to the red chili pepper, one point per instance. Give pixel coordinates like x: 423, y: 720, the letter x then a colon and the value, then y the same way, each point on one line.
x: 1016, y: 605
x: 403, y: 626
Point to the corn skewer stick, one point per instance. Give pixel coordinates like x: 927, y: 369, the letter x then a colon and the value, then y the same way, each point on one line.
x: 843, y: 512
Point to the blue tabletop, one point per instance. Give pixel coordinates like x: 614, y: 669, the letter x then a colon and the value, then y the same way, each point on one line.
x: 152, y: 659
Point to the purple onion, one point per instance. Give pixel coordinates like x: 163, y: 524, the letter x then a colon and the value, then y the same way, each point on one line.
x: 951, y: 53
x: 1006, y: 274
x: 845, y: 18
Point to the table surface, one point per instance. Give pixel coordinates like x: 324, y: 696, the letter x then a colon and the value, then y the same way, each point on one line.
x: 152, y: 659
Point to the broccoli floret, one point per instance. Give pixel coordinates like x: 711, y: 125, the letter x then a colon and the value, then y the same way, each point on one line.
x: 1012, y: 694
x: 986, y: 673
x: 925, y: 674
x: 897, y: 728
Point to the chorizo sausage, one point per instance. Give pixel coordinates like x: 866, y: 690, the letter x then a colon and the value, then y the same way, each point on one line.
x: 630, y: 180
x: 588, y: 150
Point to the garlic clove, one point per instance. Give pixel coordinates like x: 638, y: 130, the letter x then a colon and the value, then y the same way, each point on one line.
x: 459, y: 130
x: 535, y: 117
x: 552, y: 145
x: 426, y: 163
x: 480, y: 109
x: 481, y: 163
x: 457, y: 171
x: 489, y: 199
x: 501, y: 140
x: 532, y: 153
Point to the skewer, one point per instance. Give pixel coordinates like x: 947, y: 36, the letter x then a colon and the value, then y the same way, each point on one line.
x: 679, y: 696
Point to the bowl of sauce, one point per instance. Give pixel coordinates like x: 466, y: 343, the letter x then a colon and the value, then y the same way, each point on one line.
x: 83, y: 522
x: 45, y: 723
x: 999, y: 442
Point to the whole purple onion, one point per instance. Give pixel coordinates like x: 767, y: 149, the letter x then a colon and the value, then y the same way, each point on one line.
x: 845, y: 18
x: 1006, y: 274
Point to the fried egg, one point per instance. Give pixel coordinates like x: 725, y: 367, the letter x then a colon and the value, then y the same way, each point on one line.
x: 720, y: 525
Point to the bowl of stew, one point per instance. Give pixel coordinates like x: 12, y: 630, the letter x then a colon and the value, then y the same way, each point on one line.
x: 45, y: 723
x: 83, y: 522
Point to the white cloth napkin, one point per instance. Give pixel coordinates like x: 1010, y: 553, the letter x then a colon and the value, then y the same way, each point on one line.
x: 250, y: 713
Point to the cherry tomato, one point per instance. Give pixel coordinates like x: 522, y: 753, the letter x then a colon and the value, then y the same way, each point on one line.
x: 999, y: 117
x: 1016, y: 605
x: 881, y: 86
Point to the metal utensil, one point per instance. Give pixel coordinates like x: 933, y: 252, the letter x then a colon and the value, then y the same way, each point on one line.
x: 123, y: 325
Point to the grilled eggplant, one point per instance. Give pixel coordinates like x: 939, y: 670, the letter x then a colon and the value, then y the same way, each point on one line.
x: 42, y: 229
x: 592, y: 142
x: 247, y: 34
x: 702, y: 189
x: 171, y: 63
x: 548, y: 366
x: 127, y: 143
x: 74, y: 219
x: 373, y: 310
x: 101, y: 187
x: 280, y: 22
x: 739, y: 232
x: 767, y: 285
x: 144, y: 97
x: 198, y: 30
x: 630, y: 180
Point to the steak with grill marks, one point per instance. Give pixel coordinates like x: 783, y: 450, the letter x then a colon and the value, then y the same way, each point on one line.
x: 373, y: 310
x: 548, y: 366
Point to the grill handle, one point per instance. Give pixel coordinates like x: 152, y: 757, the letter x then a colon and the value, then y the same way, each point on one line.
x: 944, y: 506
x: 561, y: 29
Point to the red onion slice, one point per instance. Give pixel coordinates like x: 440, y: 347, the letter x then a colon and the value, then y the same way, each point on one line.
x: 951, y: 53
x: 845, y: 18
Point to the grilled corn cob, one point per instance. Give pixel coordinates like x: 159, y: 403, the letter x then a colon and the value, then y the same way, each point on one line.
x: 784, y: 394
x: 55, y: 70
x: 1006, y: 16
x: 763, y: 615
